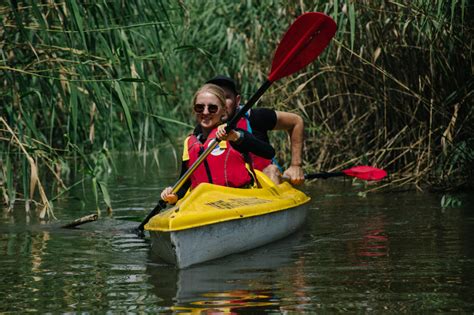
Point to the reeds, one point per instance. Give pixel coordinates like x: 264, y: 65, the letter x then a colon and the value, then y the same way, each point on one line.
x: 79, y: 79
x: 394, y: 90
x: 395, y: 93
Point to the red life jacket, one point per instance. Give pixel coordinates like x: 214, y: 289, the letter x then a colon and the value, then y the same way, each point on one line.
x: 224, y: 166
x: 258, y: 162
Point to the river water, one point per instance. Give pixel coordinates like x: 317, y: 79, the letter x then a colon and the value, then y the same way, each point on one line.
x: 385, y: 252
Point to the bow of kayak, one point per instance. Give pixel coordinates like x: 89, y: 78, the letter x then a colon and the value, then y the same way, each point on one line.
x: 214, y: 221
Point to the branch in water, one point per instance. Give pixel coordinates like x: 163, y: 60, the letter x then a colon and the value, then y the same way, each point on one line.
x: 85, y: 219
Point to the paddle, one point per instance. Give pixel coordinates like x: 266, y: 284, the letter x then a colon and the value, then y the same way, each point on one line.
x: 303, y: 42
x: 360, y: 172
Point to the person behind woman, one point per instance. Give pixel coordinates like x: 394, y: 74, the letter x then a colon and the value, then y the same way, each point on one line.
x: 225, y: 165
x: 259, y: 122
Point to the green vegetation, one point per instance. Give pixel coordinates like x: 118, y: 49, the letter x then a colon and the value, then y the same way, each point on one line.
x: 82, y: 79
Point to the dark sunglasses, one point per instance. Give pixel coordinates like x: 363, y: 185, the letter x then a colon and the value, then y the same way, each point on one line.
x: 211, y: 108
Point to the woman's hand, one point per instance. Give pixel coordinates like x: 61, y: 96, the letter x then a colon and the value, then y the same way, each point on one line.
x: 168, y: 196
x: 233, y: 135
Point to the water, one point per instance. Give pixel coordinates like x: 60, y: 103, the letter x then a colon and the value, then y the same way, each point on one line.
x: 391, y: 252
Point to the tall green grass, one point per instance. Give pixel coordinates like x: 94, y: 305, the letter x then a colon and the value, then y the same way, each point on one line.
x: 81, y: 79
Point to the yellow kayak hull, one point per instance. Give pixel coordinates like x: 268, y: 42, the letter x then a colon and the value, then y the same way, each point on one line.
x: 214, y: 221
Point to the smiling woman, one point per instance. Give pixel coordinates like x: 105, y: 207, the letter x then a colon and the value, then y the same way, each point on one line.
x: 227, y: 164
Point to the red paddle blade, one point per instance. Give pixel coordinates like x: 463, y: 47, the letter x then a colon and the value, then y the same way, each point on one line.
x: 366, y: 172
x: 303, y: 42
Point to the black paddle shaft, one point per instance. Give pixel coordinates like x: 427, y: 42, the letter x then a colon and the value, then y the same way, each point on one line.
x: 160, y: 206
x: 233, y: 122
x: 323, y: 175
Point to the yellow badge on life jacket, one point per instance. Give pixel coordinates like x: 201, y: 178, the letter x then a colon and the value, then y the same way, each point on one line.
x: 218, y: 150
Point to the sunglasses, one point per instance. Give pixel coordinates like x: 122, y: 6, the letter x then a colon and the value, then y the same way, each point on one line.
x: 211, y: 108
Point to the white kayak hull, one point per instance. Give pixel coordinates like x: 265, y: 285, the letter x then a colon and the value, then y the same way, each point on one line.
x: 188, y: 247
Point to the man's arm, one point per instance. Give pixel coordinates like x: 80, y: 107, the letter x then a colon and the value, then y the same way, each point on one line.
x: 294, y: 124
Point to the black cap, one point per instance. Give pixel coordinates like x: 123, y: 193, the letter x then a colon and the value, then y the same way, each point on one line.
x: 224, y: 81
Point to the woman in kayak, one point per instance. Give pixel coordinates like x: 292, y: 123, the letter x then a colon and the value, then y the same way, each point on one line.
x: 226, y: 164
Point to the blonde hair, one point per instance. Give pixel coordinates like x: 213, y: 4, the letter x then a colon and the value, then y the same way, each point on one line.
x: 215, y: 90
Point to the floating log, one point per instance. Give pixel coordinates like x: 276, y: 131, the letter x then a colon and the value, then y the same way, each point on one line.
x: 85, y: 219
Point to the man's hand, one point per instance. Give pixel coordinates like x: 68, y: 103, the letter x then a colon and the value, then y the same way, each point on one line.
x: 295, y: 174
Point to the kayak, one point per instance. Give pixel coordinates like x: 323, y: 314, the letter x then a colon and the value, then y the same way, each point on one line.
x: 214, y: 221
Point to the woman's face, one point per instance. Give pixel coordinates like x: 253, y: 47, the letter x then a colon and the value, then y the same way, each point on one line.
x: 205, y: 110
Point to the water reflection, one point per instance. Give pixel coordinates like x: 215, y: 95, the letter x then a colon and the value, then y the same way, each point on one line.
x: 373, y: 240
x: 243, y: 281
x: 46, y: 269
